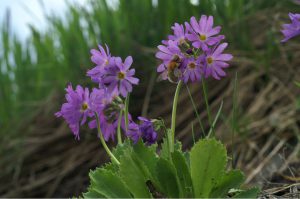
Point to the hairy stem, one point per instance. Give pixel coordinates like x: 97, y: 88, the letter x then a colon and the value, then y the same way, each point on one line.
x: 119, y: 128
x: 113, y: 158
x: 126, y: 112
x: 173, y: 121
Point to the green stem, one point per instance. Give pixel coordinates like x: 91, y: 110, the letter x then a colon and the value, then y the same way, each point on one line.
x: 211, y: 130
x: 234, y: 118
x: 126, y: 112
x: 195, y: 109
x: 103, y: 141
x: 193, y: 134
x: 206, y: 101
x: 173, y: 121
x: 119, y: 128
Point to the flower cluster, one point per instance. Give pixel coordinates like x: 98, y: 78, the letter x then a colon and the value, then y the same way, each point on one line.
x: 145, y: 131
x: 111, y: 73
x: 81, y: 104
x: 104, y: 104
x: 193, y: 52
x: 293, y: 29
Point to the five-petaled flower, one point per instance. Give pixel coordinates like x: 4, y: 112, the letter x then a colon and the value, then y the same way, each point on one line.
x: 120, y: 77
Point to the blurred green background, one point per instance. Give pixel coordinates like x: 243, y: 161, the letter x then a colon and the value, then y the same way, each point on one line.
x: 50, y: 59
x: 47, y: 61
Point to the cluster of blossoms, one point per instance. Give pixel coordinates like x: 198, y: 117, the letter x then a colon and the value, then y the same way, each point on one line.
x: 194, y: 51
x: 104, y: 104
x: 293, y: 29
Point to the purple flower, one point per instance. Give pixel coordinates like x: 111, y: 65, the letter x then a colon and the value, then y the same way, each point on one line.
x: 119, y: 77
x: 171, y: 57
x: 77, y: 108
x: 179, y: 34
x: 145, y: 131
x: 108, y: 128
x: 133, y: 132
x: 293, y: 29
x: 203, y: 34
x: 192, y: 70
x: 149, y: 135
x: 215, y: 61
x: 109, y: 115
x: 102, y: 60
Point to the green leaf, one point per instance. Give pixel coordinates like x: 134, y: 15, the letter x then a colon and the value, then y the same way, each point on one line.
x: 119, y: 150
x: 250, y: 193
x: 183, y: 173
x: 135, y: 174
x: 208, y: 162
x: 167, y: 176
x: 232, y: 179
x: 92, y: 194
x: 165, y: 151
x: 148, y: 155
x: 107, y: 184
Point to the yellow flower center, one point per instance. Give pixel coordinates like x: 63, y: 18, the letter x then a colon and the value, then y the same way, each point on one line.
x: 202, y: 37
x: 106, y: 62
x: 209, y: 60
x: 121, y: 75
x: 84, y: 106
x: 192, y: 65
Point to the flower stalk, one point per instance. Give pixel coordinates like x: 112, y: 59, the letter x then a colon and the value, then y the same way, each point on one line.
x: 113, y: 158
x: 173, y: 121
x: 126, y: 112
x: 119, y: 128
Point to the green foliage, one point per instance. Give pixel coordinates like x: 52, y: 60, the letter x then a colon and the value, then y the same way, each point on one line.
x: 168, y: 178
x: 107, y: 184
x: 183, y: 173
x: 135, y: 174
x: 208, y: 162
x: 232, y: 179
x: 144, y: 174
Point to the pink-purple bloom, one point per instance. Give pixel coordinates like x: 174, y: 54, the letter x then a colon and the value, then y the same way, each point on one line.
x: 108, y: 128
x: 179, y: 34
x: 203, y: 33
x: 120, y: 77
x: 77, y: 108
x: 115, y: 78
x: 144, y: 131
x: 133, y: 132
x: 102, y: 59
x: 171, y: 57
x: 193, y: 52
x: 216, y: 61
x: 293, y: 29
x: 192, y: 70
